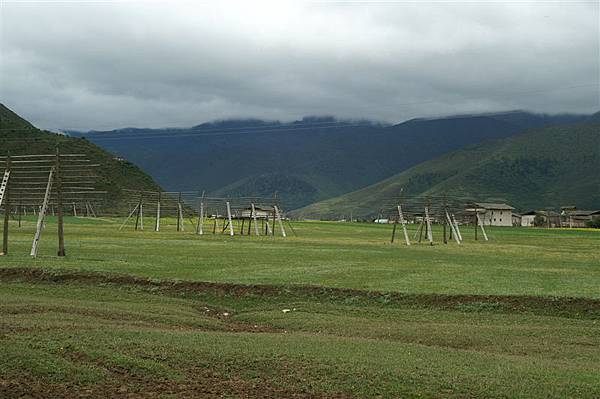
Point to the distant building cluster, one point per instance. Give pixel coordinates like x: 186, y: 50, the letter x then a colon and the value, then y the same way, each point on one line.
x: 504, y: 215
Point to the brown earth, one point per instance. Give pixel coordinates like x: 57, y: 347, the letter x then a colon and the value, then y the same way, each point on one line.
x: 556, y: 306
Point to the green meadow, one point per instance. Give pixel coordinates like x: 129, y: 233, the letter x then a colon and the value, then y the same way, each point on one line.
x: 335, y: 311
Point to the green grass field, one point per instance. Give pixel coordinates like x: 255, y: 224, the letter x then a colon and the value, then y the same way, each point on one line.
x: 337, y: 311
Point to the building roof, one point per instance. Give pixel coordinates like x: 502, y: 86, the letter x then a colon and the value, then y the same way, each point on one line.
x: 489, y: 205
x: 583, y: 213
x: 542, y: 213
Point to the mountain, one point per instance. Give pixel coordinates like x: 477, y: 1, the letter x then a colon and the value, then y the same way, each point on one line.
x: 543, y: 167
x: 19, y: 137
x: 304, y: 161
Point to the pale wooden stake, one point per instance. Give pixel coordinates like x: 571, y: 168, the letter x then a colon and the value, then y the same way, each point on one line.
x: 278, y: 216
x: 429, y: 234
x: 457, y: 228
x: 157, y: 222
x: 255, y: 220
x: 40, y: 221
x: 452, y: 228
x: 129, y: 217
x: 485, y: 237
x: 403, y: 223
x: 229, y: 219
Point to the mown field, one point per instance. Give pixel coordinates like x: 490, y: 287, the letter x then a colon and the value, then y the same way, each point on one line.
x: 337, y: 311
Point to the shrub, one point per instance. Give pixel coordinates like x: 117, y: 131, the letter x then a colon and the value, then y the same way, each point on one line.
x: 594, y: 223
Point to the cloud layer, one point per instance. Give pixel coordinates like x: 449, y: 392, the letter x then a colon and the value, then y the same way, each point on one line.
x: 155, y: 64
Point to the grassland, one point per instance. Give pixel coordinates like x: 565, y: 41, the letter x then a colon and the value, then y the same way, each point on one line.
x: 337, y: 311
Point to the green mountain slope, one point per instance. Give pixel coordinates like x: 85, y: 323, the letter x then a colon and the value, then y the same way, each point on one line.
x: 19, y: 137
x: 546, y: 167
x: 307, y: 160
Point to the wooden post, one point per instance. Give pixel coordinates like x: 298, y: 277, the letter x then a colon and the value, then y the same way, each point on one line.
x: 444, y: 232
x: 59, y: 206
x: 250, y: 222
x: 485, y: 237
x: 429, y: 233
x: 74, y: 210
x: 200, y: 227
x: 141, y: 214
x: 403, y: 223
x: 19, y: 212
x: 40, y: 221
x: 157, y: 222
x: 454, y: 233
x: 255, y: 220
x: 139, y: 209
x: 5, y: 195
x: 179, y: 214
x: 394, y: 231
x: 129, y: 217
x: 229, y: 219
x: 215, y: 223
x: 456, y: 228
x: 278, y: 216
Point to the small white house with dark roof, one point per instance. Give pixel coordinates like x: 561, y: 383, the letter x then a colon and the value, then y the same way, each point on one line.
x: 495, y: 214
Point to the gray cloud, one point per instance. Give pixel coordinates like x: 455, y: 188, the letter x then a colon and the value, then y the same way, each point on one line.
x: 107, y: 65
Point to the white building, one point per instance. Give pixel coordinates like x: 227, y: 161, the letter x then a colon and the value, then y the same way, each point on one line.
x: 495, y: 214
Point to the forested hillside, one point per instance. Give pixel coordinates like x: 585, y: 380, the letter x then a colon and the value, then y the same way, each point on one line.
x: 307, y: 160
x: 546, y: 167
x: 19, y: 137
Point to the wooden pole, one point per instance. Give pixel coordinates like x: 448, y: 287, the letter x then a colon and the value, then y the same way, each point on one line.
x: 231, y: 233
x: 19, y: 213
x: 200, y: 227
x: 129, y: 217
x: 453, y: 231
x: 403, y: 223
x: 428, y: 221
x: 394, y: 231
x: 278, y: 215
x: 137, y: 216
x: 141, y: 214
x: 40, y: 221
x: 485, y: 237
x: 157, y: 222
x: 456, y: 228
x: 5, y: 195
x: 59, y: 206
x: 179, y: 214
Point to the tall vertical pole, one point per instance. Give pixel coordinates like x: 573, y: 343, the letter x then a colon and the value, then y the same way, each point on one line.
x: 157, y: 222
x: 229, y: 219
x: 179, y: 214
x: 255, y: 221
x: 278, y: 215
x: 59, y: 206
x: 19, y: 212
x: 139, y: 212
x: 6, y: 197
x: 428, y: 221
x: 403, y: 223
x: 200, y: 228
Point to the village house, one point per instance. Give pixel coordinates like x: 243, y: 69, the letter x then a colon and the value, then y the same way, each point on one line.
x: 516, y: 219
x: 579, y: 218
x: 495, y: 214
x: 261, y: 212
x: 548, y: 219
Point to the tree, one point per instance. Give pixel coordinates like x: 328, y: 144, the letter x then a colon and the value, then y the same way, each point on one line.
x: 539, y: 221
x: 594, y: 223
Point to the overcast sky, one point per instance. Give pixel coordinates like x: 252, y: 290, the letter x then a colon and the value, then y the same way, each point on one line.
x: 101, y: 65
